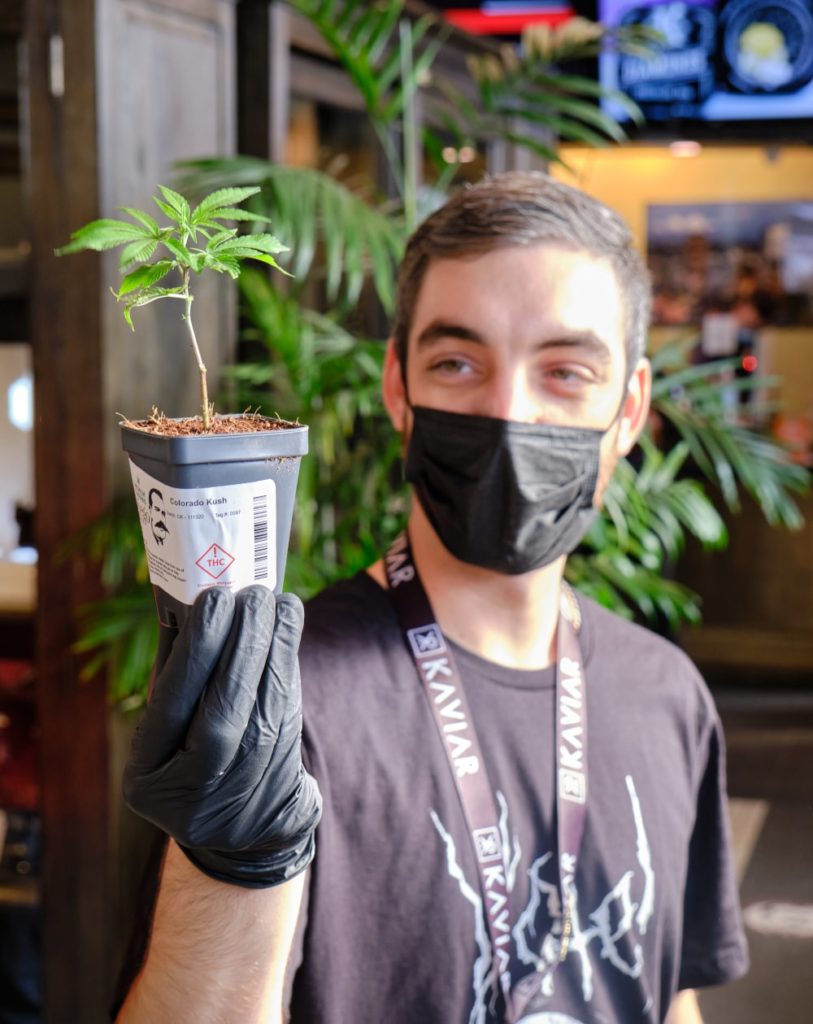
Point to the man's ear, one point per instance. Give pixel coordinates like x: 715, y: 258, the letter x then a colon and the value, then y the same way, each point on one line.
x: 393, y: 390
x: 636, y: 407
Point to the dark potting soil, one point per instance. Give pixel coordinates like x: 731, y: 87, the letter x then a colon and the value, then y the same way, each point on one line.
x: 192, y: 426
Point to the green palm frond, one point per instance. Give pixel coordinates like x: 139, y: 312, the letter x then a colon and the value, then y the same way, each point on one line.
x: 121, y: 632
x: 388, y: 56
x: 366, y: 39
x: 580, y: 37
x: 324, y: 222
x: 732, y: 456
x: 647, y: 514
x: 651, y: 508
x: 114, y: 542
x: 630, y: 590
x: 525, y: 99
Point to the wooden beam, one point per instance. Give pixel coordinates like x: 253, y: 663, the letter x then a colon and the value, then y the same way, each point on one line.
x: 263, y: 78
x: 61, y: 181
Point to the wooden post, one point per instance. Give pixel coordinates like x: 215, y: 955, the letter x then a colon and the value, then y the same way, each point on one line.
x: 263, y: 78
x: 61, y: 180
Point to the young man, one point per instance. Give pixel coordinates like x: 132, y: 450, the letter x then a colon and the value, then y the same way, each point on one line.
x: 523, y: 796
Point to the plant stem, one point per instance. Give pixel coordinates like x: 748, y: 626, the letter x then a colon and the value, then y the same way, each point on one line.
x: 204, y: 391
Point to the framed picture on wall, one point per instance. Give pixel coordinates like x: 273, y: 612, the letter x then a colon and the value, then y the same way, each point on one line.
x: 731, y: 266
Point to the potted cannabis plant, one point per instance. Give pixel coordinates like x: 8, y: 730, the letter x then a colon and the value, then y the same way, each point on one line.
x: 215, y: 493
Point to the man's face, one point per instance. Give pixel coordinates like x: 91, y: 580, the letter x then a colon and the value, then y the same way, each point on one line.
x: 158, y: 518
x: 533, y: 334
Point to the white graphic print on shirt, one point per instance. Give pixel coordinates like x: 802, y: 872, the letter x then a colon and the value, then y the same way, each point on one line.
x: 549, y: 1018
x: 538, y: 927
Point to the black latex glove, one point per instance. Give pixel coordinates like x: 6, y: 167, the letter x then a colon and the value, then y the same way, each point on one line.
x: 215, y: 761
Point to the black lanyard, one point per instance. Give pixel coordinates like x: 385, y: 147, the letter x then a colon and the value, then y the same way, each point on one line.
x: 443, y: 687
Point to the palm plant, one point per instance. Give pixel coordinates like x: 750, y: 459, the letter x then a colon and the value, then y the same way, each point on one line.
x: 525, y: 98
x: 303, y: 360
x: 730, y: 455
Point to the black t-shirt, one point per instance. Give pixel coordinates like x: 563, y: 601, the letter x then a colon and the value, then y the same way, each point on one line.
x: 395, y: 929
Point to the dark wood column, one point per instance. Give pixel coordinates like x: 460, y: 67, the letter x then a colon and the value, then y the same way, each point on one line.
x: 263, y: 78
x: 61, y: 175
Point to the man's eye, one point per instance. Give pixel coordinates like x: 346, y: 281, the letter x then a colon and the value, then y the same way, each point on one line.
x: 569, y: 374
x: 450, y: 366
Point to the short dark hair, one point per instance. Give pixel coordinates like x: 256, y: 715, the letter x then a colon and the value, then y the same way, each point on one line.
x: 154, y: 490
x: 526, y: 208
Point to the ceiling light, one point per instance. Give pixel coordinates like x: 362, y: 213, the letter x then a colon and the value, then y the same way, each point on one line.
x: 685, y: 147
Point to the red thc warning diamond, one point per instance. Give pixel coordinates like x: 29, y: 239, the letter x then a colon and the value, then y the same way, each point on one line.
x: 215, y: 560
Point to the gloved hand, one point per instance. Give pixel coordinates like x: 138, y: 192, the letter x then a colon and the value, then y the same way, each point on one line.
x: 215, y: 761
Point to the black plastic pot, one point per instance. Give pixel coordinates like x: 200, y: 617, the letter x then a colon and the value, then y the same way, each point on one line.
x: 215, y: 510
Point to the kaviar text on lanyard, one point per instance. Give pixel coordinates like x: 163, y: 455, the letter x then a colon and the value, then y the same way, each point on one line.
x: 445, y: 692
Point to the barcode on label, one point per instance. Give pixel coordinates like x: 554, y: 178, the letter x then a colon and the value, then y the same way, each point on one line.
x: 260, y: 536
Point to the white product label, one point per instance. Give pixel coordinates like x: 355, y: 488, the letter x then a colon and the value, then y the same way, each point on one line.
x: 207, y: 537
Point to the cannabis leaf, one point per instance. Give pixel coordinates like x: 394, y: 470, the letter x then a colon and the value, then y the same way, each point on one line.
x: 196, y: 240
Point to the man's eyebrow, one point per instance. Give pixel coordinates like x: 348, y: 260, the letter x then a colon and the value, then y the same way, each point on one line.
x: 587, y: 342
x: 438, y: 329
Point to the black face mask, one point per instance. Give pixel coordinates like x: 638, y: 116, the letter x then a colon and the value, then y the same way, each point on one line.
x: 506, y: 496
